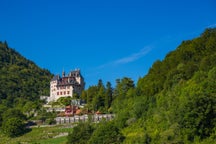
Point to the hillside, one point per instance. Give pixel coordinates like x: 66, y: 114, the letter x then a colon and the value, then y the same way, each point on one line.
x: 20, y: 78
x: 22, y: 83
x: 175, y: 103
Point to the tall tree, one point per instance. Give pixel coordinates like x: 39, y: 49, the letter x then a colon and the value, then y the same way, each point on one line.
x: 100, y: 84
x: 91, y: 93
x: 108, y: 96
x: 98, y: 100
x: 122, y: 86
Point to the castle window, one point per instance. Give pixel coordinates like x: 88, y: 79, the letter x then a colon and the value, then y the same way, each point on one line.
x: 64, y: 92
x: 60, y: 93
x: 57, y: 93
x: 68, y: 92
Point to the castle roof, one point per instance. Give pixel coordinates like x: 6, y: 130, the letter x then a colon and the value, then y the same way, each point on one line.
x: 69, y: 79
x: 56, y: 77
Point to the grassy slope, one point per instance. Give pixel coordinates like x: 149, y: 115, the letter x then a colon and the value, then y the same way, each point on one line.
x: 41, y: 135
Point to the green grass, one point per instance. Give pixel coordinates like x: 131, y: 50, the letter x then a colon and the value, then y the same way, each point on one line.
x: 40, y: 135
x: 60, y: 140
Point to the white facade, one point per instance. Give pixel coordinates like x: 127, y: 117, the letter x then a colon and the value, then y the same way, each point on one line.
x: 66, y: 85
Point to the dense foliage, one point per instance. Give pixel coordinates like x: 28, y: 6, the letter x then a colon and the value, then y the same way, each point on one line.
x: 106, y: 133
x: 99, y: 97
x: 20, y: 78
x: 102, y: 133
x: 22, y: 82
x: 13, y: 127
x: 174, y: 103
x: 81, y: 134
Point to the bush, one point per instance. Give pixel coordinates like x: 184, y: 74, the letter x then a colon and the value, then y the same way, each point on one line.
x: 80, y: 134
x: 13, y: 127
x: 106, y: 133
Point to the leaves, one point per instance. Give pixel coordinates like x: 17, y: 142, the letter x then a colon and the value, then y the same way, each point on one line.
x: 21, y: 78
x: 80, y: 134
x: 13, y: 127
x: 106, y: 133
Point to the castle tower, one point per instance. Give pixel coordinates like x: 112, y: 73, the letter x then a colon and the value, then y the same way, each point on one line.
x: 63, y: 73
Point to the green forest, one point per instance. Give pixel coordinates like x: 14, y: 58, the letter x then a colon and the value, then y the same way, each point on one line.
x: 174, y: 103
x: 22, y: 82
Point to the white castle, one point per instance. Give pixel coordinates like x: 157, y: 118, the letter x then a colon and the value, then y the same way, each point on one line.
x: 67, y: 85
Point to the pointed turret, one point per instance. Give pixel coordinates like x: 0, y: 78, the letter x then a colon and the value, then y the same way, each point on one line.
x: 63, y: 73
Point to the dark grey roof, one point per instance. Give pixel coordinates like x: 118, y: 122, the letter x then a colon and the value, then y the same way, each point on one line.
x: 56, y: 77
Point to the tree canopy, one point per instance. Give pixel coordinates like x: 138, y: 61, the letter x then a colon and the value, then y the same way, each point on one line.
x: 22, y: 84
x: 175, y: 102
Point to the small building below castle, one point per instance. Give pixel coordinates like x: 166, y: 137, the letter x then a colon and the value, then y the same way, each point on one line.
x: 66, y: 85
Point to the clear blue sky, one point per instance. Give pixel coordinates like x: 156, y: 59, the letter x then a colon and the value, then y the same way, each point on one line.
x: 106, y: 39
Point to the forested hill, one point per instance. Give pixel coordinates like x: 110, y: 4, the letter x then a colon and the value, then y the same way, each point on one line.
x: 190, y: 57
x: 20, y: 78
x: 176, y: 101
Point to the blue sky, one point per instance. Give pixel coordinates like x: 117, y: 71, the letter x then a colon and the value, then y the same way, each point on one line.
x: 106, y: 39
